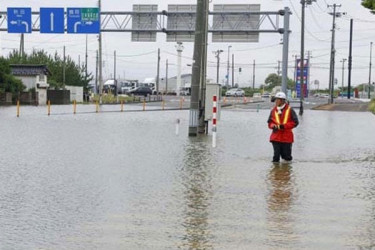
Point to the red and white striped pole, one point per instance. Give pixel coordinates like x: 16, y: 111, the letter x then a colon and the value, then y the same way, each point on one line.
x: 214, y: 110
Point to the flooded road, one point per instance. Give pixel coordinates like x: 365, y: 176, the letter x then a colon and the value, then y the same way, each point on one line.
x: 127, y: 181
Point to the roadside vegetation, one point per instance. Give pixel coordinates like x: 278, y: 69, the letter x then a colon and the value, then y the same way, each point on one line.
x: 372, y: 106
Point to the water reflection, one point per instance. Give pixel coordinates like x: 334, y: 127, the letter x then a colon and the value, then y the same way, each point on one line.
x: 280, y: 200
x: 196, y: 178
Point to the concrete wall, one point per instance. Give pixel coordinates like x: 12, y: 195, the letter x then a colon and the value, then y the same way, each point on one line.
x: 76, y: 93
x: 28, y: 81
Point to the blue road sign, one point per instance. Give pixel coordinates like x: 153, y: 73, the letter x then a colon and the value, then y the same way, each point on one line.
x: 83, y: 20
x: 52, y: 20
x: 19, y: 20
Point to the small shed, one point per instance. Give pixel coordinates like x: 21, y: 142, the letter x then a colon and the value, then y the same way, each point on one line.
x: 33, y: 76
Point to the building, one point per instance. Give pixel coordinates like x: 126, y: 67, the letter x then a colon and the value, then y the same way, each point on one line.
x: 33, y: 77
x: 172, y: 84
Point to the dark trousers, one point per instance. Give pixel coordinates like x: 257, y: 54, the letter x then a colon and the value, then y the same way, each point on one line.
x: 282, y: 149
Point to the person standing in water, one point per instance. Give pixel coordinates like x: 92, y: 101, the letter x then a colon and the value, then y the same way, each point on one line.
x: 282, y: 120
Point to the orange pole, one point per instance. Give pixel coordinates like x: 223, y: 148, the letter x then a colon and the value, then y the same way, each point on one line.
x: 97, y: 107
x: 163, y: 104
x: 49, y: 107
x: 18, y: 108
x: 144, y: 105
x: 122, y: 105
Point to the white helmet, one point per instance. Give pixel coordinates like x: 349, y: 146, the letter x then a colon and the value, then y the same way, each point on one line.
x: 280, y: 95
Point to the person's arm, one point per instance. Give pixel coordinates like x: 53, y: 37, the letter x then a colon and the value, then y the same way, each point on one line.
x: 293, y: 122
x: 271, y: 123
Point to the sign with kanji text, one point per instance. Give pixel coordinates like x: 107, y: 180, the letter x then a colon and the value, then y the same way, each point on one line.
x: 83, y: 20
x: 19, y: 20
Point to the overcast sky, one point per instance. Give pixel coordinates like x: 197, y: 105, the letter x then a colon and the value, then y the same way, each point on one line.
x: 139, y: 60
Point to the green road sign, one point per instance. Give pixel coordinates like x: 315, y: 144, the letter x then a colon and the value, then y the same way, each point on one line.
x: 90, y: 14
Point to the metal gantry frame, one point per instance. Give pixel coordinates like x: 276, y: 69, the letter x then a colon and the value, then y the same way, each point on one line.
x: 120, y: 21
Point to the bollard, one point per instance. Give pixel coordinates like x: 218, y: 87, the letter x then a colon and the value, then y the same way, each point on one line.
x: 214, y: 110
x: 122, y: 105
x: 49, y: 107
x: 144, y: 105
x: 97, y: 107
x: 18, y: 108
x: 74, y: 107
x: 163, y: 104
x: 180, y: 103
x: 177, y: 126
x: 257, y: 107
x: 225, y: 100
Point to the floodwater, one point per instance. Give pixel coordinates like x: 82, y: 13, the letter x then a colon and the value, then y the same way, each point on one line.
x: 127, y: 181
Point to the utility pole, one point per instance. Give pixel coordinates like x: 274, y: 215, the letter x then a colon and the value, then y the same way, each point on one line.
x: 284, y: 79
x: 369, y: 74
x: 217, y: 54
x: 97, y: 72
x: 232, y: 70
x: 199, y: 44
x: 308, y: 70
x: 342, y: 79
x: 100, y: 59
x: 302, y: 57
x: 227, y: 83
x: 86, y: 58
x: 295, y: 69
x: 166, y: 77
x: 333, y: 51
x: 203, y: 125
x: 179, y: 48
x: 22, y: 46
x: 303, y: 3
x: 350, y: 58
x: 278, y: 68
x: 158, y: 73
x: 64, y: 66
x: 253, y: 74
x: 114, y: 71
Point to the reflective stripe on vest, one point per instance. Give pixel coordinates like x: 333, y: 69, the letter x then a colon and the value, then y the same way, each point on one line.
x: 285, y: 116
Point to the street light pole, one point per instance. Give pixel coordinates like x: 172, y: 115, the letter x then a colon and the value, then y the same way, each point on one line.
x: 227, y: 83
x: 217, y: 54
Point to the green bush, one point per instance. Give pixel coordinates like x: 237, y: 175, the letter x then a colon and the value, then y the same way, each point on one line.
x: 372, y: 106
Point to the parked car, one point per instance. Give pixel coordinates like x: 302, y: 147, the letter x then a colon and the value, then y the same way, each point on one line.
x: 143, y: 90
x: 266, y: 95
x: 235, y: 92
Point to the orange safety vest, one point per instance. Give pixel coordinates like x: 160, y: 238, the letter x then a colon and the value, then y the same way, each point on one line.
x: 282, y: 135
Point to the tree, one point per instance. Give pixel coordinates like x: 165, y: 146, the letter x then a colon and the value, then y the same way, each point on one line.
x: 274, y: 80
x: 369, y: 4
x: 8, y: 83
x: 75, y: 74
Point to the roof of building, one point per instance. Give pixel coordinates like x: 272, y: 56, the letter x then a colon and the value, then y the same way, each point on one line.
x: 29, y: 69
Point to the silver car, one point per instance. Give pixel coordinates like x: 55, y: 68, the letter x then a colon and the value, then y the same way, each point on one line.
x: 235, y: 92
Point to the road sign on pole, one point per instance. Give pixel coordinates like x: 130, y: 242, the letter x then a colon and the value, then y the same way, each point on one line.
x: 19, y: 20
x: 83, y: 20
x: 52, y: 20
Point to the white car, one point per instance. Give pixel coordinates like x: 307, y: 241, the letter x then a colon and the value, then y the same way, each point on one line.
x: 235, y: 92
